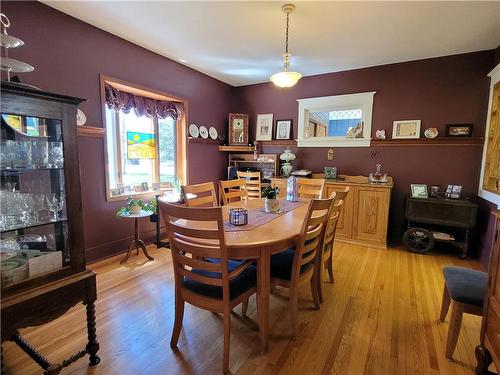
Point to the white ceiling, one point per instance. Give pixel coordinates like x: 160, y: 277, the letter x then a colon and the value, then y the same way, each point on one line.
x: 242, y: 42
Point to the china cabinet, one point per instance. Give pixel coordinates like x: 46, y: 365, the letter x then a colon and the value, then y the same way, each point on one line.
x: 43, y: 268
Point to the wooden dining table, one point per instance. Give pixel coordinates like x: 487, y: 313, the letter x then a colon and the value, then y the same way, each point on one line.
x: 260, y: 243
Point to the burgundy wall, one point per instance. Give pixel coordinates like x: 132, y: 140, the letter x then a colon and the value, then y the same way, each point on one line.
x: 437, y: 91
x: 68, y: 56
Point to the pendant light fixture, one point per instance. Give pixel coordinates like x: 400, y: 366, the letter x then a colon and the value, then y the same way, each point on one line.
x: 286, y: 78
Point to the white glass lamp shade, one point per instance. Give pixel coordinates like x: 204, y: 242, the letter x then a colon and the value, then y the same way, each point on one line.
x: 285, y: 78
x: 287, y: 156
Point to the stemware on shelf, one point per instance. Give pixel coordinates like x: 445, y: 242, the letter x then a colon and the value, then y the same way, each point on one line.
x: 55, y: 205
x: 22, y: 158
x: 39, y: 153
x: 7, y: 153
x: 56, y: 158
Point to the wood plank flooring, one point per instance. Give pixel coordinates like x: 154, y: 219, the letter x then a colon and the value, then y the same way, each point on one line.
x: 380, y: 317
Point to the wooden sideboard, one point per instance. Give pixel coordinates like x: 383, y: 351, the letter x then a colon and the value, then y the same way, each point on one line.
x: 489, y: 348
x: 365, y: 216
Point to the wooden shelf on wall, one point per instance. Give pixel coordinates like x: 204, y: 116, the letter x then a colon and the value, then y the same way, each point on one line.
x: 90, y: 131
x: 428, y: 142
x: 208, y: 141
x: 236, y: 148
x: 279, y: 142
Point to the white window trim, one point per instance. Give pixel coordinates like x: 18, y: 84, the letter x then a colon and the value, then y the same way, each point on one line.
x: 488, y: 195
x: 362, y: 100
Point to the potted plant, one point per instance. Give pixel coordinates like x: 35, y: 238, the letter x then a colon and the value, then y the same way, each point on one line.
x: 134, y: 206
x: 271, y: 201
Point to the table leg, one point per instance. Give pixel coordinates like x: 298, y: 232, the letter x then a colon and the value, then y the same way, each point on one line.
x: 129, y: 252
x: 139, y: 243
x: 263, y: 289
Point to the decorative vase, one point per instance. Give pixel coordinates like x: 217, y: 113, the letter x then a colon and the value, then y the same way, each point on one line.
x: 135, y: 209
x: 272, y: 205
x: 286, y: 169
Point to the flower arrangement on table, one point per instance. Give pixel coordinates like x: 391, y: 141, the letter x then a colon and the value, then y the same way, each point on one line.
x: 271, y: 202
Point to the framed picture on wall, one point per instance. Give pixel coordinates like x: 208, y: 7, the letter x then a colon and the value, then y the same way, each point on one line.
x: 283, y: 128
x: 264, y: 128
x: 459, y: 130
x: 238, y: 129
x: 406, y: 129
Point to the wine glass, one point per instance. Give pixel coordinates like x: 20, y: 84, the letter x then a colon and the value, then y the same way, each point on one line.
x: 55, y: 205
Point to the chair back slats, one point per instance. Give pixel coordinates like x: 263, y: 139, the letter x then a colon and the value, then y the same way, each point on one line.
x: 200, y: 195
x: 311, y: 235
x: 341, y: 195
x: 233, y: 191
x: 200, y: 250
x: 214, y: 281
x: 253, y: 184
x: 311, y: 187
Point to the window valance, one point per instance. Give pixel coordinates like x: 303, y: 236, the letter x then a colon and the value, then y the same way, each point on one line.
x: 142, y: 106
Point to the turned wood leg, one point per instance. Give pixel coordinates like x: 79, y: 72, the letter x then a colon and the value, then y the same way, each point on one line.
x: 445, y: 305
x: 227, y: 336
x: 179, y: 315
x: 2, y: 363
x: 457, y: 310
x: 92, y: 345
x: 244, y: 307
x: 294, y: 309
x: 484, y: 360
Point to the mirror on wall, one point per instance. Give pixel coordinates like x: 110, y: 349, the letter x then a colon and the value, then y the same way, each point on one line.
x: 340, y: 120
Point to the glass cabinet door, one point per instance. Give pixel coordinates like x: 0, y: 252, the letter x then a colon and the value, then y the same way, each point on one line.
x: 33, y: 219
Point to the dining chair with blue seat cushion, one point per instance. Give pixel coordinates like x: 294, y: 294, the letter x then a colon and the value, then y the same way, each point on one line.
x: 293, y: 267
x: 204, y: 276
x: 240, y: 284
x: 465, y: 289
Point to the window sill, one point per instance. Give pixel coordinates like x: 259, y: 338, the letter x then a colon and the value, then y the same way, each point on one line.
x: 124, y: 197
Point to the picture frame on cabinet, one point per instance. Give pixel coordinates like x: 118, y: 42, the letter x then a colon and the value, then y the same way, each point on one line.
x: 406, y: 129
x: 283, y: 128
x: 453, y: 191
x: 238, y: 129
x: 419, y: 191
x: 264, y: 127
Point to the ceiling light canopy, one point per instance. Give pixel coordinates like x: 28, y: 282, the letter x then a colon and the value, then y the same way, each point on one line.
x: 286, y: 78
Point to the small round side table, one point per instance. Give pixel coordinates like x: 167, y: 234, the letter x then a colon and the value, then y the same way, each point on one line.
x: 138, y: 242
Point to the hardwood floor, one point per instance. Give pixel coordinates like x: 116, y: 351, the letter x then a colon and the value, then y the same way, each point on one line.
x: 380, y: 317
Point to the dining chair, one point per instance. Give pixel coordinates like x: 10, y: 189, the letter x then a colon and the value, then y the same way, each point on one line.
x: 311, y: 187
x: 294, y: 266
x: 204, y: 276
x: 327, y: 243
x: 200, y: 195
x: 253, y: 184
x: 233, y: 191
x: 342, y: 194
x: 465, y: 289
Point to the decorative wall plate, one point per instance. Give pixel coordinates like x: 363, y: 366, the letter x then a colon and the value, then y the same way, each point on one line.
x: 81, y: 118
x: 213, y: 133
x: 203, y: 132
x: 194, y: 131
x: 431, y: 133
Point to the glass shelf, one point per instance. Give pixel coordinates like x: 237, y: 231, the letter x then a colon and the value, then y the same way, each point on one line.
x: 27, y: 226
x: 21, y: 170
